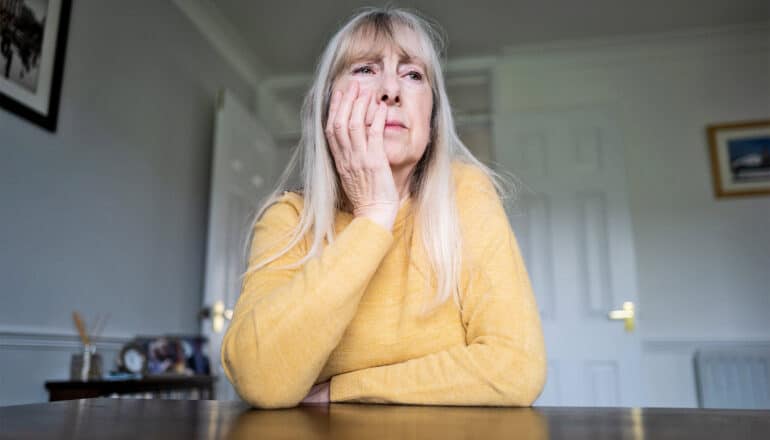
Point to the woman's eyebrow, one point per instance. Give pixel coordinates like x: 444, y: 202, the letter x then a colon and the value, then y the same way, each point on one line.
x: 411, y: 60
x: 378, y: 59
x: 366, y: 58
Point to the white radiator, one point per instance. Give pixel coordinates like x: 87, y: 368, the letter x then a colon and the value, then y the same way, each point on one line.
x: 733, y: 377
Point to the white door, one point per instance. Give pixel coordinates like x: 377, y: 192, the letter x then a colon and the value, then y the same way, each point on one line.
x: 243, y: 170
x: 574, y: 229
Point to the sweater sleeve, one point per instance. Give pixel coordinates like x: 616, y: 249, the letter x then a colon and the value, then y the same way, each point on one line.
x: 287, y: 321
x: 503, y: 360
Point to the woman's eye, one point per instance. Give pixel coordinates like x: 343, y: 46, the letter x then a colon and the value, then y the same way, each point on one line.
x: 417, y: 76
x: 363, y: 69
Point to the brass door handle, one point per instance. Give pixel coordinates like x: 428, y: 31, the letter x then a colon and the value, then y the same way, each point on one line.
x: 218, y: 314
x: 627, y: 314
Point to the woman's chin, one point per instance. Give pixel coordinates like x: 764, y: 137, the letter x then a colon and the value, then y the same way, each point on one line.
x: 395, y: 155
x: 398, y: 155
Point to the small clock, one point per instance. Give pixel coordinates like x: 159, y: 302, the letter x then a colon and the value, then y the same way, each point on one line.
x: 133, y: 359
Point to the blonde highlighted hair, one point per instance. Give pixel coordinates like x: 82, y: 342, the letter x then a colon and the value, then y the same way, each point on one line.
x: 431, y: 185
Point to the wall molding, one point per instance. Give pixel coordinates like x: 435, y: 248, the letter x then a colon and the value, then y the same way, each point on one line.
x: 642, y: 47
x: 53, y: 339
x: 692, y: 344
x: 470, y: 64
x: 222, y: 34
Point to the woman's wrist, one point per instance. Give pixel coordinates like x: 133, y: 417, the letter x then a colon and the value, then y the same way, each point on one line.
x: 382, y: 218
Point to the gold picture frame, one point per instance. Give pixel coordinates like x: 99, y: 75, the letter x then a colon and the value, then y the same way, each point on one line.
x: 740, y: 158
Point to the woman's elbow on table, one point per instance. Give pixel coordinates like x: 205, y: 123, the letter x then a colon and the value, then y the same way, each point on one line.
x: 266, y: 391
x: 256, y: 382
x: 268, y: 398
x: 521, y: 384
x: 527, y: 393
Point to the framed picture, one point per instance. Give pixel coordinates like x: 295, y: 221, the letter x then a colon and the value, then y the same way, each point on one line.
x: 33, y: 38
x: 740, y: 158
x: 174, y: 354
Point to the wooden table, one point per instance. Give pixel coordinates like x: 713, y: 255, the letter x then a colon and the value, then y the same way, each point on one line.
x: 175, y: 419
x: 158, y: 386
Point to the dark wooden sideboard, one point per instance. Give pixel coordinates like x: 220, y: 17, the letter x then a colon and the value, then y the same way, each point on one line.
x: 180, y: 387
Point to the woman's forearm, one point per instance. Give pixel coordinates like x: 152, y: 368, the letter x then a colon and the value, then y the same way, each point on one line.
x: 285, y: 327
x: 503, y: 363
x: 494, y: 371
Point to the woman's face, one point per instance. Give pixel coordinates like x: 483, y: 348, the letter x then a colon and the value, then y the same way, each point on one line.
x: 402, y: 83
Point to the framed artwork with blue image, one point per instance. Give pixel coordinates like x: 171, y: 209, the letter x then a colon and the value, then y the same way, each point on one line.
x: 740, y: 158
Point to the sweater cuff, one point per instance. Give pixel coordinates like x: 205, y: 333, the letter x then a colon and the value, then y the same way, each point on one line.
x: 374, y: 232
x: 343, y: 387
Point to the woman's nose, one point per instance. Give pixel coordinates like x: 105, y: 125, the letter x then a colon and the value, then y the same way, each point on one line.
x: 390, y: 92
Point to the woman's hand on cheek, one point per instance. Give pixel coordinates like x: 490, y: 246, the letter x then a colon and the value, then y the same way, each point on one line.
x: 357, y: 148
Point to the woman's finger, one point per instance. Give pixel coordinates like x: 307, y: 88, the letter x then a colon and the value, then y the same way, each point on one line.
x: 356, y: 126
x: 342, y: 118
x: 377, y: 129
x: 371, y: 109
x: 334, y: 104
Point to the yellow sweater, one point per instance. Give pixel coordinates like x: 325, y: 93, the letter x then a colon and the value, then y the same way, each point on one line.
x: 353, y: 314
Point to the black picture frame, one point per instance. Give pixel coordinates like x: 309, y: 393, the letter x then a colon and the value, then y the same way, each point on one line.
x: 42, y: 106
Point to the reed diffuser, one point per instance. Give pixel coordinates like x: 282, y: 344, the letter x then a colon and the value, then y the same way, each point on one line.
x: 86, y: 365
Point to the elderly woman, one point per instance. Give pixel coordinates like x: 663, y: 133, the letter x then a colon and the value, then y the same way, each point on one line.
x: 347, y: 293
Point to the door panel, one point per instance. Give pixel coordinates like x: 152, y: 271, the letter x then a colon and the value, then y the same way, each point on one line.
x: 243, y: 165
x: 573, y: 224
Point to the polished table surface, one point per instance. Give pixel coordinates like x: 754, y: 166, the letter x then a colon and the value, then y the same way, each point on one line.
x: 176, y: 419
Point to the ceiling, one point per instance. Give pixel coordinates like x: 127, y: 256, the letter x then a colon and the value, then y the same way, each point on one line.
x: 288, y: 35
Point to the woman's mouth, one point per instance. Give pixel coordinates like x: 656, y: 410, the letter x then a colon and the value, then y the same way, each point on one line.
x: 394, y: 125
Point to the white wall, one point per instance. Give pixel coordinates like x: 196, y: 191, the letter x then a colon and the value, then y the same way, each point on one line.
x: 713, y: 283
x: 702, y: 263
x: 109, y: 214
